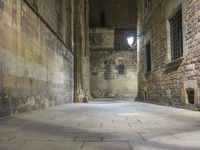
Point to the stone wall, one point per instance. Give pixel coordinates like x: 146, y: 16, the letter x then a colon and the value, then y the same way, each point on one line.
x: 36, y: 65
x: 102, y: 38
x: 169, y: 81
x: 113, y: 72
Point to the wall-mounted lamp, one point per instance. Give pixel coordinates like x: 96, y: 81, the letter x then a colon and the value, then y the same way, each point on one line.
x: 132, y: 42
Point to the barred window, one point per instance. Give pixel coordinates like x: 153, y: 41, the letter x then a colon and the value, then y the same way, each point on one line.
x: 176, y: 35
x: 121, y: 69
x: 148, y: 57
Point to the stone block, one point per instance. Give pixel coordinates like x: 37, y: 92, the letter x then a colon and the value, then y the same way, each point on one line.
x: 46, y: 104
x: 111, y: 80
x: 51, y: 104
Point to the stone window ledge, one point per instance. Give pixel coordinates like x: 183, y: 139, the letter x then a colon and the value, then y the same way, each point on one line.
x: 147, y: 74
x: 173, y: 66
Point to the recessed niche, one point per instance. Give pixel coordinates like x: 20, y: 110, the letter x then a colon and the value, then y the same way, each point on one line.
x: 191, y: 92
x: 190, y: 95
x: 145, y: 95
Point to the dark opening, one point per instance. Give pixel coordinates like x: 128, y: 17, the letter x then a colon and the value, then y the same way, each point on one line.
x: 148, y: 57
x: 121, y: 69
x: 190, y: 95
x: 145, y: 95
x: 103, y: 19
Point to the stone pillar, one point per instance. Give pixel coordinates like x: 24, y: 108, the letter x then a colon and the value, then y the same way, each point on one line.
x: 81, y: 50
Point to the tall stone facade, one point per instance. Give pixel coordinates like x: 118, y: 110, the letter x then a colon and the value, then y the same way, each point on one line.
x: 36, y: 54
x: 113, y: 73
x: 171, y: 82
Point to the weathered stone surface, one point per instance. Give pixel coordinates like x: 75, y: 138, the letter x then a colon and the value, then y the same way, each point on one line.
x: 107, y: 80
x: 101, y: 38
x: 35, y: 64
x: 165, y: 83
x: 113, y: 73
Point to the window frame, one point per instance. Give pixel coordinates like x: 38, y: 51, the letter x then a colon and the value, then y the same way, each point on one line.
x: 148, y: 57
x: 176, y: 37
x: 170, y: 9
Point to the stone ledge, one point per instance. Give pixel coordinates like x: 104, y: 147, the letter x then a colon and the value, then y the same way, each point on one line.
x: 173, y: 66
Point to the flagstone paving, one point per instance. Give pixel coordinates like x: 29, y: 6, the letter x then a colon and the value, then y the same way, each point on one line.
x: 102, y: 126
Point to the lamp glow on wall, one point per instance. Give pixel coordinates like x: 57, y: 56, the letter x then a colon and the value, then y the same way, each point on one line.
x: 131, y: 42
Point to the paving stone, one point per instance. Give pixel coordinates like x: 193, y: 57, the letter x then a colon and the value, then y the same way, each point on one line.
x: 106, y: 146
x: 51, y: 146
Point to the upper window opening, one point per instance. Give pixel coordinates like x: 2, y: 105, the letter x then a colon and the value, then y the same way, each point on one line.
x: 148, y: 57
x: 103, y: 19
x: 176, y: 35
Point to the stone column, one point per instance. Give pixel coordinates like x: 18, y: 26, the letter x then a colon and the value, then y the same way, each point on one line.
x: 81, y: 50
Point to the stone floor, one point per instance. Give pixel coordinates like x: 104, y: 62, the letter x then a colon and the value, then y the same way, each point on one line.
x: 102, y: 126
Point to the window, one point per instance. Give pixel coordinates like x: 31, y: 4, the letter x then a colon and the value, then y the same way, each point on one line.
x: 176, y: 35
x: 148, y: 57
x: 121, y: 69
x: 103, y: 19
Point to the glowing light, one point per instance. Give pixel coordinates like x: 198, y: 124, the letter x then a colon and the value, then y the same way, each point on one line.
x: 130, y: 41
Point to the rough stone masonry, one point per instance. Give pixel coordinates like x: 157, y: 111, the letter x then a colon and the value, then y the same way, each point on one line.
x: 36, y: 60
x: 113, y: 73
x: 172, y: 82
